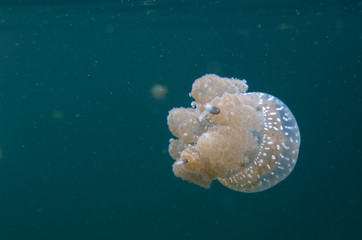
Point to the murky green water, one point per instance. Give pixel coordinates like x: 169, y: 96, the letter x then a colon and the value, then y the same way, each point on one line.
x: 84, y: 144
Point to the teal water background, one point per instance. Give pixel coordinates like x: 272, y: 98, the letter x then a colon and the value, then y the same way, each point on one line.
x: 84, y: 144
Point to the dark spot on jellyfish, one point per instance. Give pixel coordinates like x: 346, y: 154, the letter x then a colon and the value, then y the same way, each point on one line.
x: 258, y: 109
x: 211, y: 109
x: 215, y: 110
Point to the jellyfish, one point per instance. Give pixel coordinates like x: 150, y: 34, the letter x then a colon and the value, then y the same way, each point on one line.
x: 249, y: 142
x: 159, y: 91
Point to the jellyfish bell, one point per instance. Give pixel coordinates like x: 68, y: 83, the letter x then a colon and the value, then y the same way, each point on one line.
x: 276, y: 148
x: 247, y: 141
